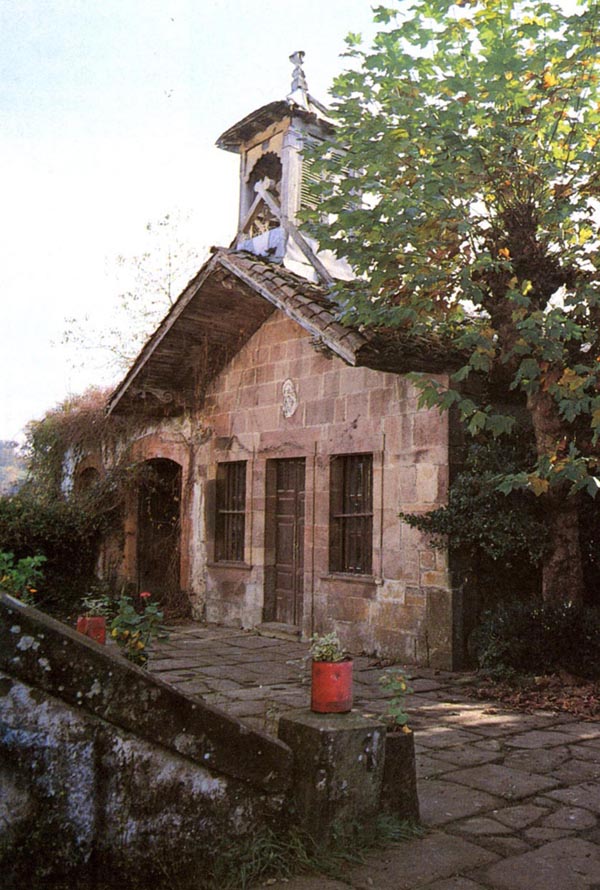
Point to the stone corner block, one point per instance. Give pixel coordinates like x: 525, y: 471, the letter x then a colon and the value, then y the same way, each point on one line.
x: 338, y: 770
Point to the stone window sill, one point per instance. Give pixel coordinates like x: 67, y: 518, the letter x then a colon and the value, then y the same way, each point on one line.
x: 352, y: 578
x: 225, y: 564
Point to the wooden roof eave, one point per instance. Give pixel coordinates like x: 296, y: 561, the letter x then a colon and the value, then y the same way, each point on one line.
x: 163, y: 329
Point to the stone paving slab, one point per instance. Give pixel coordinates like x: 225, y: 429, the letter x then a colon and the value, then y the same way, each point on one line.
x: 582, y: 730
x: 540, y: 760
x: 538, y: 739
x: 503, y: 782
x: 417, y: 863
x: 538, y: 834
x: 307, y: 882
x: 455, y: 884
x: 510, y: 801
x: 444, y: 737
x: 484, y: 826
x: 577, y: 771
x: 585, y: 752
x: 521, y: 816
x: 572, y: 818
x: 466, y: 756
x: 443, y: 802
x: 569, y: 864
x: 586, y: 795
x: 431, y: 767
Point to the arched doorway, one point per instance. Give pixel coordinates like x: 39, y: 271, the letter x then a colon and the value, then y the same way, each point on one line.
x: 159, y: 529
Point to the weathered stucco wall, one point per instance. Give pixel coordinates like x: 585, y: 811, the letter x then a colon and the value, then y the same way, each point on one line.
x: 128, y: 768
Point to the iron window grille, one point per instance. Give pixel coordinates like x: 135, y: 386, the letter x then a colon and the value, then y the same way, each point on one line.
x: 351, y: 514
x: 231, y: 511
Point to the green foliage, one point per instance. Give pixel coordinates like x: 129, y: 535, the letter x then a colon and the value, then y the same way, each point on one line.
x: 326, y: 648
x: 536, y: 638
x: 134, y: 630
x: 97, y: 604
x: 268, y: 855
x: 396, y: 682
x: 51, y: 517
x: 63, y: 533
x: 472, y: 133
x: 21, y: 578
x: 508, y: 529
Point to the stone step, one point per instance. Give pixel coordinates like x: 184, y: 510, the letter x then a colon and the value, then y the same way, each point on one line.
x: 278, y: 631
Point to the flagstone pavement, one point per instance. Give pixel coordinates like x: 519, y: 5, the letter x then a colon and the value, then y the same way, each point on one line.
x: 510, y: 801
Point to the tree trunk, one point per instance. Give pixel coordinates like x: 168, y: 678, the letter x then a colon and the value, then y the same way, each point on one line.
x: 562, y: 571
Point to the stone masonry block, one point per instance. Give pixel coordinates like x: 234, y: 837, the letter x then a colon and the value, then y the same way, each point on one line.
x: 440, y: 627
x: 378, y: 404
x: 331, y: 383
x: 430, y: 427
x: 319, y: 412
x: 338, y: 770
x: 427, y: 559
x: 352, y: 380
x: 340, y: 410
x: 357, y: 406
x: 427, y: 483
x: 393, y: 591
x: 351, y: 608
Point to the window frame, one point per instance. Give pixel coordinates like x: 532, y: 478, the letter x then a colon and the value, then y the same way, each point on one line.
x: 230, y: 511
x: 351, y: 514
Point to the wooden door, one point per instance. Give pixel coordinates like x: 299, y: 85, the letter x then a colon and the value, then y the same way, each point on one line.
x: 159, y: 528
x: 285, y: 526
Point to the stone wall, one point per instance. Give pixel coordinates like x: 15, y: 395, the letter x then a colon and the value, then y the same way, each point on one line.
x: 128, y: 769
x: 404, y: 608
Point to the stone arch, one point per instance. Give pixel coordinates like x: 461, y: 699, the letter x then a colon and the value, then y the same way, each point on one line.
x: 85, y: 479
x: 268, y: 166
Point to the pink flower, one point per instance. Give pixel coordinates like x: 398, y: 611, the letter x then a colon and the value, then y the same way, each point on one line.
x: 145, y: 595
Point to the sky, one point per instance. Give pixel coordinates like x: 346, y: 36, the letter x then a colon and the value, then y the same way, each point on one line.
x: 110, y: 112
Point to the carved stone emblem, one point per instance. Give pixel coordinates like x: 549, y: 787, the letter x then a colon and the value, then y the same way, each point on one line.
x: 290, y: 398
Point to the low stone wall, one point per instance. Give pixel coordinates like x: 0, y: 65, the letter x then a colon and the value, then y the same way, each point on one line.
x: 101, y: 763
x: 109, y: 777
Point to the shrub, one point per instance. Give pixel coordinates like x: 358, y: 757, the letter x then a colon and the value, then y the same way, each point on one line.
x: 64, y: 534
x: 21, y: 578
x: 499, y: 540
x: 135, y: 630
x: 538, y: 638
x: 50, y: 516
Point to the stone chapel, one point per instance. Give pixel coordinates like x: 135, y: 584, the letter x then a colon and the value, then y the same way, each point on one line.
x: 285, y: 443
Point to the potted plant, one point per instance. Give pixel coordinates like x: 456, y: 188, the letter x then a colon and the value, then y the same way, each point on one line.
x: 331, y: 675
x: 92, y: 622
x: 134, y: 629
x: 399, y: 789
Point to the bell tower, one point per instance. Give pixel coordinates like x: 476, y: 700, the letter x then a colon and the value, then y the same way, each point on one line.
x: 273, y: 178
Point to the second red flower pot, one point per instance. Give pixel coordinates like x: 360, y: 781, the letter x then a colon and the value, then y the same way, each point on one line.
x: 93, y: 626
x: 331, y: 690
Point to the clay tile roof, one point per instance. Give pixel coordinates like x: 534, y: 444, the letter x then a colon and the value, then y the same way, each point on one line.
x: 210, y: 322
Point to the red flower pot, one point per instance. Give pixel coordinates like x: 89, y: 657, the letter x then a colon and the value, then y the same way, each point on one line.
x: 93, y: 627
x: 331, y: 691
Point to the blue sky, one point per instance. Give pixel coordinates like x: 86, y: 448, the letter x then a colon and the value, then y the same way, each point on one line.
x: 109, y: 116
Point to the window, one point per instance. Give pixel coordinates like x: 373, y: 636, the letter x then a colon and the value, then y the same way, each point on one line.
x: 351, y: 514
x: 231, y: 511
